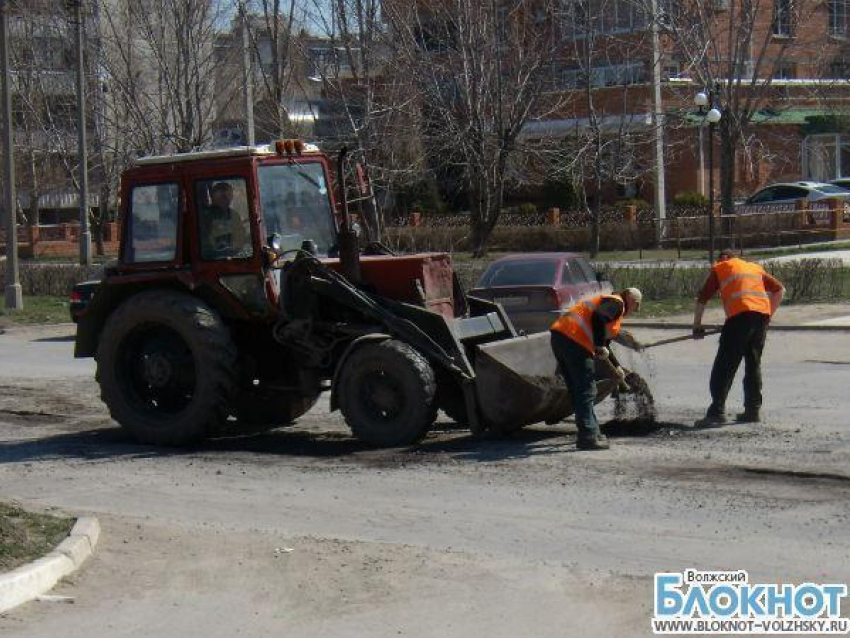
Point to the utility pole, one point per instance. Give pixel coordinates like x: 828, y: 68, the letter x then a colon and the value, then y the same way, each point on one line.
x: 247, y: 79
x: 658, y: 131
x: 82, y: 145
x: 14, y: 299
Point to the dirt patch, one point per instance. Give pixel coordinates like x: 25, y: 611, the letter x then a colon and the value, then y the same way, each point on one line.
x: 635, y: 413
x: 25, y: 536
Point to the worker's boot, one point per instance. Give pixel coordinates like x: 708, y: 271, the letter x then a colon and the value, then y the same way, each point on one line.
x: 714, y: 418
x: 593, y: 442
x: 749, y: 415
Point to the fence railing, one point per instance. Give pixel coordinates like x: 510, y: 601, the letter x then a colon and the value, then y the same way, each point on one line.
x: 750, y: 226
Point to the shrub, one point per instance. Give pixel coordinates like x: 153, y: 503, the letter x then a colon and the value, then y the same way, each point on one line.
x: 527, y: 209
x: 690, y: 200
x: 53, y: 279
x: 640, y: 204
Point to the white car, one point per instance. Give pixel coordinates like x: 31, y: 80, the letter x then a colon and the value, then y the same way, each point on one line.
x: 790, y: 192
x: 842, y: 182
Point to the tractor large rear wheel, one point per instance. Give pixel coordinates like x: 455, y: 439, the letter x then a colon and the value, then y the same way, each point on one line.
x: 387, y: 394
x: 166, y: 367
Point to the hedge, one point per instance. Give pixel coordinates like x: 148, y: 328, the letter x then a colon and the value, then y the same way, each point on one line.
x: 52, y: 279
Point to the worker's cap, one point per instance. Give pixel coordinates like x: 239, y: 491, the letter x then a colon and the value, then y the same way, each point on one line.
x: 728, y: 253
x: 635, y: 294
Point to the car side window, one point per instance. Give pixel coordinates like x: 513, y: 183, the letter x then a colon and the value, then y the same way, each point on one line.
x: 586, y: 270
x: 152, y: 227
x: 790, y: 192
x: 571, y: 274
x: 223, y: 219
x: 767, y: 195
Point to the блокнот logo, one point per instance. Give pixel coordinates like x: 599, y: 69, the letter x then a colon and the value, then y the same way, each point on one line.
x: 707, y: 602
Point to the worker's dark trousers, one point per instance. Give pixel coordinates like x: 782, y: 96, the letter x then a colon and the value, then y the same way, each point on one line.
x: 742, y: 337
x: 579, y: 370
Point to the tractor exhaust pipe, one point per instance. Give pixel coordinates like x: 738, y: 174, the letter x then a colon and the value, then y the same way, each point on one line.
x: 349, y: 244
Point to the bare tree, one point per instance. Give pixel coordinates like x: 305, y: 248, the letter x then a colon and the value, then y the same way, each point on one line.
x: 480, y: 69
x: 737, y: 53
x: 366, y: 103
x: 602, y: 74
x: 274, y: 28
x: 161, y: 65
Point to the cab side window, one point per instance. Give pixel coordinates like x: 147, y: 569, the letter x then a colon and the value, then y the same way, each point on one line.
x: 152, y: 223
x: 223, y: 219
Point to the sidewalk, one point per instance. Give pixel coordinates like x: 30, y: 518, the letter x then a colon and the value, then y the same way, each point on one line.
x: 835, y: 315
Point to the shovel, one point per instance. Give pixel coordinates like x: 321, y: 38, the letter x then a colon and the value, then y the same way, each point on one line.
x: 689, y: 337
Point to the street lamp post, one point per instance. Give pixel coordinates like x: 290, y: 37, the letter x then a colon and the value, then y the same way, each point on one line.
x: 82, y: 145
x: 13, y: 298
x: 712, y: 115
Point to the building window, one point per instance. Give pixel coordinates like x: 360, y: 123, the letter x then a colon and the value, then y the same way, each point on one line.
x: 784, y: 71
x: 581, y: 18
x: 838, y: 17
x: 826, y: 156
x: 783, y: 22
x: 602, y: 76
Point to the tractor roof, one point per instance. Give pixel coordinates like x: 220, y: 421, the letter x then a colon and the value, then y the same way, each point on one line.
x: 232, y: 151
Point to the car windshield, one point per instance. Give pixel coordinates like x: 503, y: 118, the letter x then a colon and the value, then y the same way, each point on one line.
x: 830, y: 188
x: 519, y: 273
x: 296, y: 205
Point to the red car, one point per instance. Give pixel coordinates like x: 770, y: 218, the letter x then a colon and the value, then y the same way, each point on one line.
x: 535, y: 288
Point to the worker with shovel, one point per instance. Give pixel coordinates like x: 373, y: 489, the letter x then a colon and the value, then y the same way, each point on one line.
x: 750, y: 298
x: 579, y: 338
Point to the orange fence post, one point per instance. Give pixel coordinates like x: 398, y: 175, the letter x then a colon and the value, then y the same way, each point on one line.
x: 415, y: 219
x: 553, y: 217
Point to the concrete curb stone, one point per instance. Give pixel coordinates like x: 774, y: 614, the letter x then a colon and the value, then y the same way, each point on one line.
x: 29, y: 581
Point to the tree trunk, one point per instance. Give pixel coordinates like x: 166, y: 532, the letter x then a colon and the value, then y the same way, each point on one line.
x: 33, y: 217
x: 728, y: 144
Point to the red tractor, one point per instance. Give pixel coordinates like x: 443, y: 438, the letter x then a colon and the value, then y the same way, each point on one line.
x: 240, y: 294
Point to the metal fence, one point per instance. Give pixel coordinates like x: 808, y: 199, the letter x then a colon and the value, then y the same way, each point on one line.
x: 750, y: 226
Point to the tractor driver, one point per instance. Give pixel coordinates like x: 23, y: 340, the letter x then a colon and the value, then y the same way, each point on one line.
x: 225, y: 232
x: 581, y: 337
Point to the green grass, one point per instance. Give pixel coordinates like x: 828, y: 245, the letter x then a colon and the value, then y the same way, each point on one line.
x: 25, y: 536
x: 37, y: 309
x: 652, y: 308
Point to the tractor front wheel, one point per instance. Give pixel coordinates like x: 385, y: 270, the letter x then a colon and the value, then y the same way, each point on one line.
x: 165, y: 364
x: 387, y: 394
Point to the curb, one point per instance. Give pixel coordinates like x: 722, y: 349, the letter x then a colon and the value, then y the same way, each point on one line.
x: 661, y: 325
x: 29, y: 581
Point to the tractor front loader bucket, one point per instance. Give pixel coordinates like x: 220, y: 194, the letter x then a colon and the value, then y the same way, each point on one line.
x: 517, y: 383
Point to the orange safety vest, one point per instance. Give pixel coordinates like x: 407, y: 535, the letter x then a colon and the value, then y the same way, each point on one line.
x: 576, y: 323
x: 742, y: 287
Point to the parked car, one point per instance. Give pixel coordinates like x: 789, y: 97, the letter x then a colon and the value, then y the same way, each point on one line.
x: 788, y: 193
x: 81, y: 295
x: 535, y: 288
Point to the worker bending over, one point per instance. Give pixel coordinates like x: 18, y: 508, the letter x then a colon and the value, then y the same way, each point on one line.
x: 750, y: 298
x: 579, y: 338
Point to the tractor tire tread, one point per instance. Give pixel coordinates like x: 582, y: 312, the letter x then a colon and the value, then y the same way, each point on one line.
x: 209, y: 339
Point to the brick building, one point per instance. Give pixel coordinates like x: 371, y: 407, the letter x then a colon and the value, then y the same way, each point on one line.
x: 781, y: 74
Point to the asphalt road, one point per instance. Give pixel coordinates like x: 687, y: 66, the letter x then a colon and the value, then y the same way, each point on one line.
x: 304, y: 532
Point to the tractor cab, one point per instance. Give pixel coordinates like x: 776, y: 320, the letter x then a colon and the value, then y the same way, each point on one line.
x: 214, y: 214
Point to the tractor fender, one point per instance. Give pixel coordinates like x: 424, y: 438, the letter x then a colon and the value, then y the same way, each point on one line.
x: 359, y: 341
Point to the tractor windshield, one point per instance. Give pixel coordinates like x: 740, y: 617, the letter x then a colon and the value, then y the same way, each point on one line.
x: 296, y: 205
